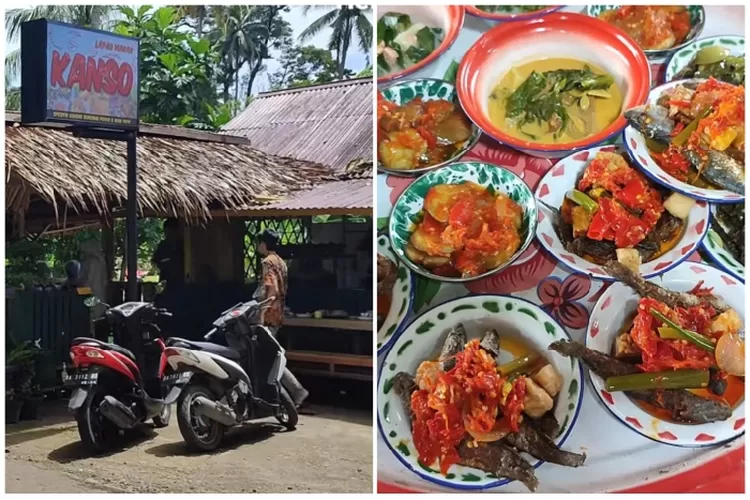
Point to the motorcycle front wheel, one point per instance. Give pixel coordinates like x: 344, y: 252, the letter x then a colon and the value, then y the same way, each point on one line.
x: 287, y: 415
x: 200, y: 433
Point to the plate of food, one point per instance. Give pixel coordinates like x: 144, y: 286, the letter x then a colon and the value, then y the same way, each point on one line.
x: 725, y: 241
x: 511, y: 12
x: 552, y: 85
x: 658, y: 29
x: 412, y: 37
x: 690, y: 137
x: 721, y: 57
x: 667, y: 359
x: 463, y: 222
x: 594, y: 206
x: 470, y: 397
x: 421, y: 127
x: 395, y: 294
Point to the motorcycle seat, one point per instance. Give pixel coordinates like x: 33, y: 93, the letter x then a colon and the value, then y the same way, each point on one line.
x: 104, y: 345
x: 217, y: 349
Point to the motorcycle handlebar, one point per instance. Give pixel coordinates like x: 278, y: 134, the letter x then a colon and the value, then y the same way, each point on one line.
x: 209, y: 334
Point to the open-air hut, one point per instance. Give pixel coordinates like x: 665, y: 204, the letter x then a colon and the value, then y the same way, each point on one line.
x: 223, y: 189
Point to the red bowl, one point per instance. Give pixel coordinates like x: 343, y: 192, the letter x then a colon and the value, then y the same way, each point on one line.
x: 448, y: 17
x: 521, y: 16
x: 555, y: 35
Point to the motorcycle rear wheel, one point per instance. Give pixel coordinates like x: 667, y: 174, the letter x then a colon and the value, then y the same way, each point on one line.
x: 96, y: 431
x: 200, y: 434
x: 287, y: 416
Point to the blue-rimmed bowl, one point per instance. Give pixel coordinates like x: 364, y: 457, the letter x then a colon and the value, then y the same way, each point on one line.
x: 697, y: 22
x: 402, y: 297
x: 422, y: 340
x: 409, y: 209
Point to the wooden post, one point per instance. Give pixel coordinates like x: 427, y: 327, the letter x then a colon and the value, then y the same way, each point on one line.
x: 108, y: 249
x: 187, y: 251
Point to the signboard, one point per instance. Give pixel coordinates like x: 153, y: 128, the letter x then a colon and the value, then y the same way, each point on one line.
x: 78, y: 76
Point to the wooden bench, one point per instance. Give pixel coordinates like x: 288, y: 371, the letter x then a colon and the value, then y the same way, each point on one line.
x: 335, y: 365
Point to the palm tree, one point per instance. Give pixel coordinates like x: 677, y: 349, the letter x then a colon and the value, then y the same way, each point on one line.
x: 345, y: 22
x: 242, y: 41
x: 197, y: 12
x: 93, y: 16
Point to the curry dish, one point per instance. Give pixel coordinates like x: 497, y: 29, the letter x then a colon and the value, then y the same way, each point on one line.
x: 555, y: 101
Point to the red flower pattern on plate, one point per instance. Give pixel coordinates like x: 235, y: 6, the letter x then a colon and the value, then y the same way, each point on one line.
x: 607, y: 396
x: 530, y: 268
x: 667, y: 435
x: 702, y: 437
x: 634, y: 421
x: 559, y: 298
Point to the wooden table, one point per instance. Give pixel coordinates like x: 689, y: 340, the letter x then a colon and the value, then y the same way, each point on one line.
x: 343, y: 324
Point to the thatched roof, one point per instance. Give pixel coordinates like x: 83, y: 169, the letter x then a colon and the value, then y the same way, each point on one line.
x: 329, y: 124
x: 178, y: 177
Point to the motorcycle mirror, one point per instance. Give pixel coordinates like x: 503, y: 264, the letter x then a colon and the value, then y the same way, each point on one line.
x: 91, y: 301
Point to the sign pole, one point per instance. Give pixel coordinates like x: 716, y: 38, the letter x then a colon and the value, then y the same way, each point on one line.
x: 132, y: 220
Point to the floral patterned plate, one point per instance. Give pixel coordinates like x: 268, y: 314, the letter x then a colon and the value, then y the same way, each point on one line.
x: 714, y: 247
x: 402, y: 297
x: 423, y: 339
x: 697, y: 21
x: 683, y: 57
x: 562, y: 178
x: 429, y: 89
x: 607, y: 319
x: 407, y: 211
x: 635, y: 144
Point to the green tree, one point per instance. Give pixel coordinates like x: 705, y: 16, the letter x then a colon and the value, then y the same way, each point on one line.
x: 12, y: 96
x: 176, y: 68
x: 348, y: 23
x: 279, y: 35
x: 93, y: 16
x: 198, y: 12
x: 241, y: 40
x: 303, y: 66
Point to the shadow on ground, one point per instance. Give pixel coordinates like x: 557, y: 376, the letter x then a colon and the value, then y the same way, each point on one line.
x: 72, y: 452
x: 239, y: 436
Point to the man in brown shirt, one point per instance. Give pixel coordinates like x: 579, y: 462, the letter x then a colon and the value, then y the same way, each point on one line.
x: 273, y: 284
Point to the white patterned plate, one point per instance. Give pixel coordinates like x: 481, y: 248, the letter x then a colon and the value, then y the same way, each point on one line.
x: 719, y: 255
x: 635, y: 144
x: 562, y: 178
x: 402, y: 297
x: 423, y: 339
x: 683, y: 57
x: 607, y: 318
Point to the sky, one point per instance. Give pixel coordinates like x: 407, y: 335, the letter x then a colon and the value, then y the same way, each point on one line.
x: 355, y: 60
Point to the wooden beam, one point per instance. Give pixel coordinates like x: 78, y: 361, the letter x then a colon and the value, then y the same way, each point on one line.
x: 332, y: 358
x: 342, y: 324
x: 261, y: 212
x: 154, y: 131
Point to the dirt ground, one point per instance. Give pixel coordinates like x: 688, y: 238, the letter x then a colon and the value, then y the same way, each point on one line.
x: 330, y: 451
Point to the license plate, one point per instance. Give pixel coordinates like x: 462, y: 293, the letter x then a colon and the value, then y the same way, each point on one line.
x: 84, y: 378
x: 177, y: 378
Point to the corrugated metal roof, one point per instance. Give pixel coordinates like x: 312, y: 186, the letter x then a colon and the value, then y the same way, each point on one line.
x: 329, y: 124
x: 354, y: 193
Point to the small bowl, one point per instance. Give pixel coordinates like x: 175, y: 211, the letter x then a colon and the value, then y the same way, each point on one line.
x: 680, y: 59
x: 407, y: 211
x: 635, y: 144
x: 554, y: 35
x: 402, y: 297
x: 450, y: 18
x: 513, y: 13
x: 429, y: 89
x: 562, y: 178
x: 512, y: 317
x: 608, y: 316
x: 723, y: 259
x: 697, y: 22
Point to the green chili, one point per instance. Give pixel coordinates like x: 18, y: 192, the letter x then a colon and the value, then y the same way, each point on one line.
x: 694, y: 337
x: 677, y: 379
